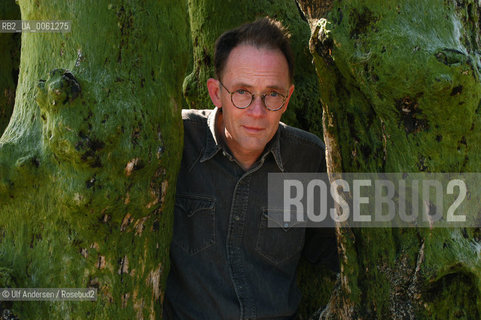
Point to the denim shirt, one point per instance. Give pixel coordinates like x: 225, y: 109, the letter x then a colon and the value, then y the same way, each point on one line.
x: 225, y: 262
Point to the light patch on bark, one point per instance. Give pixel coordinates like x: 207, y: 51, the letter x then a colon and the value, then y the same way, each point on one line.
x: 153, y: 202
x: 131, y: 166
x: 126, y: 221
x: 94, y: 283
x: 314, y: 10
x: 405, y: 295
x: 105, y: 292
x: 124, y: 265
x: 106, y: 218
x: 165, y: 185
x: 125, y: 299
x: 78, y: 198
x: 157, y: 195
x: 138, y: 305
x: 154, y: 281
x: 101, y: 263
x: 346, y: 284
x: 385, y: 137
x: 419, y: 262
x: 139, y: 226
x: 333, y: 156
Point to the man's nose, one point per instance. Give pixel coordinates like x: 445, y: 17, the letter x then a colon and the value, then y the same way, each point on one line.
x: 257, y: 107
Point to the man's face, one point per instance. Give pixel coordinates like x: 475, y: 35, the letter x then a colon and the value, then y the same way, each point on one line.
x: 257, y: 70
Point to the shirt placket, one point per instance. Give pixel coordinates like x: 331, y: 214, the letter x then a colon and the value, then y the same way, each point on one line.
x: 235, y: 236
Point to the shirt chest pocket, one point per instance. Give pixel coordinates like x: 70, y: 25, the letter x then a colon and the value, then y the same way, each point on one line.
x: 278, y: 243
x: 194, y: 223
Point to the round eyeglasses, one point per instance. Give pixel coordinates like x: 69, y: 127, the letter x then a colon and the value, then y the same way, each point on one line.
x: 242, y: 99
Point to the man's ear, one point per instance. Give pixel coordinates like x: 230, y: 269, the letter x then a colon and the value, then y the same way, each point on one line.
x: 214, y: 92
x: 291, y: 90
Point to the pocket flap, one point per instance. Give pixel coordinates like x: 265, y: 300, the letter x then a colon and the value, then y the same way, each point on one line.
x: 194, y: 204
x: 275, y: 219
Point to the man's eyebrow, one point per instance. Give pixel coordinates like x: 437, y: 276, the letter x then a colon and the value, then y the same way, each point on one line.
x: 276, y: 88
x: 242, y: 84
x: 245, y: 85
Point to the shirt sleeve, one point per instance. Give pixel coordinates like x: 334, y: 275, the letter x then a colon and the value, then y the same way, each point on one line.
x: 320, y: 245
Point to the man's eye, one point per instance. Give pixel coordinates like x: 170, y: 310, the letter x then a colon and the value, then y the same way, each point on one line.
x: 241, y: 91
x: 273, y: 94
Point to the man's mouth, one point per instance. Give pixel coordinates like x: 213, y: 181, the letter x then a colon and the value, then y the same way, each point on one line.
x: 252, y: 129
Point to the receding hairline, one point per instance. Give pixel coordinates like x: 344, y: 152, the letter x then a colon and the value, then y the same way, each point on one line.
x: 258, y: 47
x: 264, y: 33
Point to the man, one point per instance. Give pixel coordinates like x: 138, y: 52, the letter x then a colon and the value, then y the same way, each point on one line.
x: 225, y: 262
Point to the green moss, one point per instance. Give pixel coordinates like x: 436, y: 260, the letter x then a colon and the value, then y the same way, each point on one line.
x: 398, y: 72
x: 89, y: 162
x: 400, y: 91
x: 316, y: 284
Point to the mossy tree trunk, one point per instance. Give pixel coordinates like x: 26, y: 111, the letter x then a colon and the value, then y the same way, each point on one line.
x: 400, y: 91
x: 9, y: 60
x: 89, y: 159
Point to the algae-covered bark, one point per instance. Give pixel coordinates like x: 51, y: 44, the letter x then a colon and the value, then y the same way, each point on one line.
x: 209, y: 19
x: 89, y: 159
x: 400, y: 88
x: 9, y: 60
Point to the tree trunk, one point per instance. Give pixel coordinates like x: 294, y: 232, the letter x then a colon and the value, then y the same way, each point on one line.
x: 401, y: 93
x: 9, y: 60
x: 89, y: 160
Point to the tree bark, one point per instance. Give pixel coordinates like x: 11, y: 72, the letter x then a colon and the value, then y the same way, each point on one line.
x: 400, y: 91
x: 89, y: 160
x: 9, y: 61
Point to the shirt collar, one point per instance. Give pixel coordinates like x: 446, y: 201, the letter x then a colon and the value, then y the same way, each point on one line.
x: 213, y: 145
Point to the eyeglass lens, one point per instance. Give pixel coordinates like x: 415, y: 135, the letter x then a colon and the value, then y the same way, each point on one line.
x: 243, y: 98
